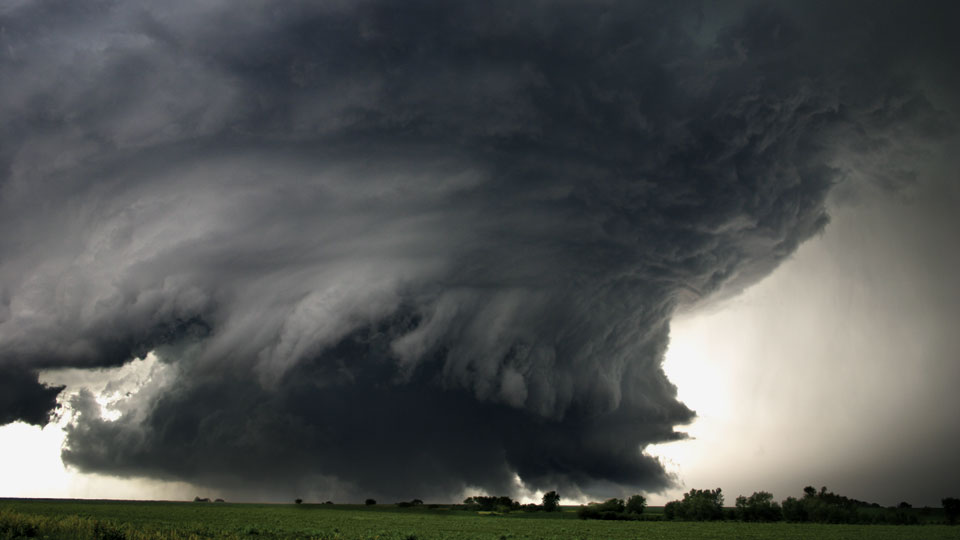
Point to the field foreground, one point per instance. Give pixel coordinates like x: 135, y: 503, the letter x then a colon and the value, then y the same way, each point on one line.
x: 117, y: 520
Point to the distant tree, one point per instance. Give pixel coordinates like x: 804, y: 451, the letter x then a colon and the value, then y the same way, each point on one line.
x: 201, y: 499
x: 609, y: 509
x: 951, y: 509
x: 218, y: 500
x: 793, y: 510
x: 551, y: 501
x: 904, y: 505
x: 636, y: 504
x: 370, y: 502
x: 758, y: 507
x: 491, y: 503
x: 698, y: 505
x: 611, y: 505
x: 328, y: 502
x: 416, y: 502
x: 823, y: 507
x: 298, y: 501
x: 670, y: 510
x: 894, y: 516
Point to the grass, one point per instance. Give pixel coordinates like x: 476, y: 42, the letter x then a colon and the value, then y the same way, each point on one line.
x: 117, y: 520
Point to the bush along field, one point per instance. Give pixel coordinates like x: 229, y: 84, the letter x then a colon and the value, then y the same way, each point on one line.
x: 489, y: 518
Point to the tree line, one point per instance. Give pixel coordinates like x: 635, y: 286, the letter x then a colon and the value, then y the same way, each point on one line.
x: 615, y: 509
x: 550, y: 502
x: 814, y: 506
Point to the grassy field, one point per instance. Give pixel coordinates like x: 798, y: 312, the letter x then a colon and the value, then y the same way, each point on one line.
x: 115, y: 520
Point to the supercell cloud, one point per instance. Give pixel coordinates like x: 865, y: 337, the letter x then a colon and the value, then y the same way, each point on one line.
x: 405, y: 248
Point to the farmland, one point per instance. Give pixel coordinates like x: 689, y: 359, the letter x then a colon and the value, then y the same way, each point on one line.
x: 114, y: 520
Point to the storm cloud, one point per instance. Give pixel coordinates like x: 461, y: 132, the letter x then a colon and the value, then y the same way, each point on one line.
x: 406, y: 248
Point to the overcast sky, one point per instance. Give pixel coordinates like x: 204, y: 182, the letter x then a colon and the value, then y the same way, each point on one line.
x: 425, y: 249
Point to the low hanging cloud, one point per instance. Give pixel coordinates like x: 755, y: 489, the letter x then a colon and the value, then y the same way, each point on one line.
x: 403, y: 249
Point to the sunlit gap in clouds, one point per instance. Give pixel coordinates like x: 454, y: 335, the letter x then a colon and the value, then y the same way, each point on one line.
x: 702, y: 386
x: 30, y: 461
x: 109, y: 387
x: 747, y: 368
x: 841, y: 360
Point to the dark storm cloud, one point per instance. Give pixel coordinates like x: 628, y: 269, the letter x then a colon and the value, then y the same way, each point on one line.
x: 407, y: 248
x: 23, y: 398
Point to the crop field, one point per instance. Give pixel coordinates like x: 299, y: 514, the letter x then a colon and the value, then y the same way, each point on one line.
x: 115, y: 520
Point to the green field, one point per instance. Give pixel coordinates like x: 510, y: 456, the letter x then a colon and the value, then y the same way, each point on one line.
x: 114, y: 520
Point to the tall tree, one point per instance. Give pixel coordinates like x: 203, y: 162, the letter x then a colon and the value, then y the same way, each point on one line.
x: 636, y: 504
x: 551, y: 501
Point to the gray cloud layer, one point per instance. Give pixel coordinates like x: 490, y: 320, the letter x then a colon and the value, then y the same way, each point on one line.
x: 411, y: 247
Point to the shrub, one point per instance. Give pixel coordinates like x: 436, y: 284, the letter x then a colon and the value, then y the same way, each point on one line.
x: 370, y: 502
x: 594, y: 511
x: 14, y: 525
x: 103, y: 531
